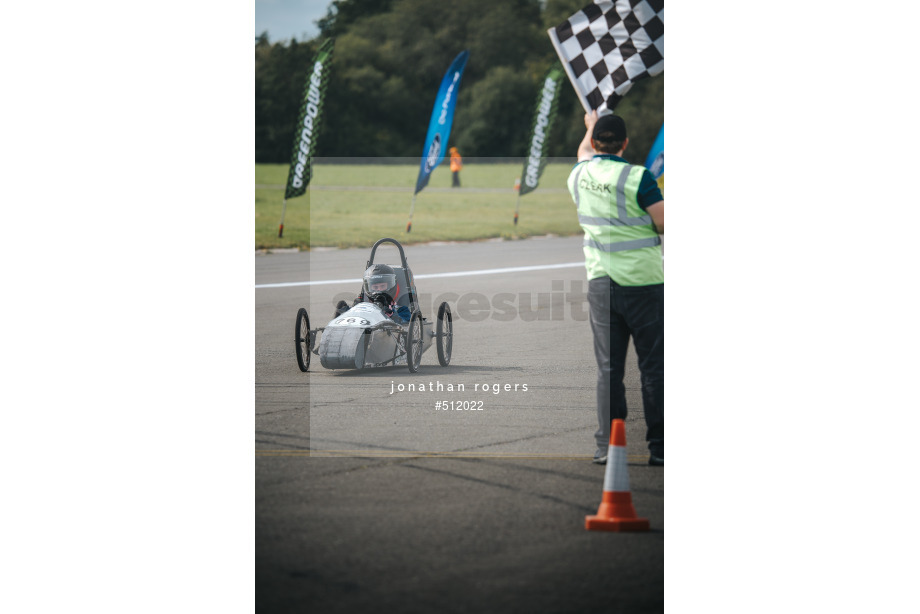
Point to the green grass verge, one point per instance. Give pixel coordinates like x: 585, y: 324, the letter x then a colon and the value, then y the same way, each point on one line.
x: 364, y: 207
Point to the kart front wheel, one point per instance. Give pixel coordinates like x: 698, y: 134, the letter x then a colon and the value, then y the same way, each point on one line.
x: 302, y: 340
x: 414, y: 341
x: 445, y: 334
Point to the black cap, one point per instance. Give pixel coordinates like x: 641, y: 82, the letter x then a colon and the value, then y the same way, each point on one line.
x: 609, y: 128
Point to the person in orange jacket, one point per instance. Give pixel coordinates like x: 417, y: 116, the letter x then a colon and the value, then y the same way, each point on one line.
x: 456, y: 163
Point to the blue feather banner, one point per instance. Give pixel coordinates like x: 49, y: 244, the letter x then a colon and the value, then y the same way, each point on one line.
x: 655, y: 160
x: 442, y: 117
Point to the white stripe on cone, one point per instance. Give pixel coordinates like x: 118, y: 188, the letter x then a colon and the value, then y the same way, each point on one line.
x: 616, y: 481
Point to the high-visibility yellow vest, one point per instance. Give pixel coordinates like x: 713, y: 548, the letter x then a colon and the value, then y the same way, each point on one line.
x: 620, y: 239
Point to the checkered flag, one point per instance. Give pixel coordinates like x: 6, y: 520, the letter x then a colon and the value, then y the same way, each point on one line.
x: 607, y: 46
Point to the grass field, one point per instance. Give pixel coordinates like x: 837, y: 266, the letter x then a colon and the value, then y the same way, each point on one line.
x: 351, y: 205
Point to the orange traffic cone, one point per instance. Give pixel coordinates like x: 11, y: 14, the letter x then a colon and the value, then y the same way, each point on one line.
x: 616, y: 512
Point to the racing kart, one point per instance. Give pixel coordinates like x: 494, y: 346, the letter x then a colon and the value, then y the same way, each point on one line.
x: 366, y: 337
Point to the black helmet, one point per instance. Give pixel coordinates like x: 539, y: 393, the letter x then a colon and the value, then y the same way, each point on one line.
x: 380, y: 279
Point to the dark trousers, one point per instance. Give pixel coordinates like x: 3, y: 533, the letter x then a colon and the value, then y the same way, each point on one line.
x: 456, y: 179
x: 618, y: 313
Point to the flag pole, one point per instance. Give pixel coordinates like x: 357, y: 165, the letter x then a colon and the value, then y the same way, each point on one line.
x: 281, y: 226
x: 411, y: 211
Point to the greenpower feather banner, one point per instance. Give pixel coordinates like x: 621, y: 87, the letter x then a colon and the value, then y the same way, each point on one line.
x: 544, y: 115
x: 311, y: 110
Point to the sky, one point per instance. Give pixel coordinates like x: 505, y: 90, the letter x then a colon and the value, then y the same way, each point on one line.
x: 289, y: 18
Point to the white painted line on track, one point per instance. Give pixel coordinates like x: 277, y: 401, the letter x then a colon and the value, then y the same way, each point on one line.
x: 516, y: 269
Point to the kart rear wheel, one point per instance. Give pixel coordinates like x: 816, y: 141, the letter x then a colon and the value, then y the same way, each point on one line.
x: 302, y: 340
x: 414, y: 341
x: 445, y: 334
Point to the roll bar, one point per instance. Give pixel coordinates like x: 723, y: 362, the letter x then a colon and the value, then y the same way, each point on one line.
x: 402, y: 254
x: 405, y: 264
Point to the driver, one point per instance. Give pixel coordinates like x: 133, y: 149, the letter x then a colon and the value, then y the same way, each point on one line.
x: 380, y: 287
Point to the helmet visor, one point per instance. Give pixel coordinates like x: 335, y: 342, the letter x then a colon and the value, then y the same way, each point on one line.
x: 379, y: 283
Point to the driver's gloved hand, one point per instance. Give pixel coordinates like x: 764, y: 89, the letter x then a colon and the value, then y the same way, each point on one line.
x: 388, y: 311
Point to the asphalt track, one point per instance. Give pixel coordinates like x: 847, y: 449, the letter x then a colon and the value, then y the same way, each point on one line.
x: 370, y: 497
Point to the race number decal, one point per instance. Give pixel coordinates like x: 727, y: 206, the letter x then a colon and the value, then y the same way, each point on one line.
x: 352, y: 322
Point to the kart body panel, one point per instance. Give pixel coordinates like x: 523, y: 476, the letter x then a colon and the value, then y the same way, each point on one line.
x: 364, y: 337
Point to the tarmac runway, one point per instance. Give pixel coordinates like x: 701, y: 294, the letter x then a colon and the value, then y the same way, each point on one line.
x: 370, y: 495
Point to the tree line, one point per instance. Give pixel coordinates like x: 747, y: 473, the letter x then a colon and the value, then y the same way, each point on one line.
x: 390, y: 56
